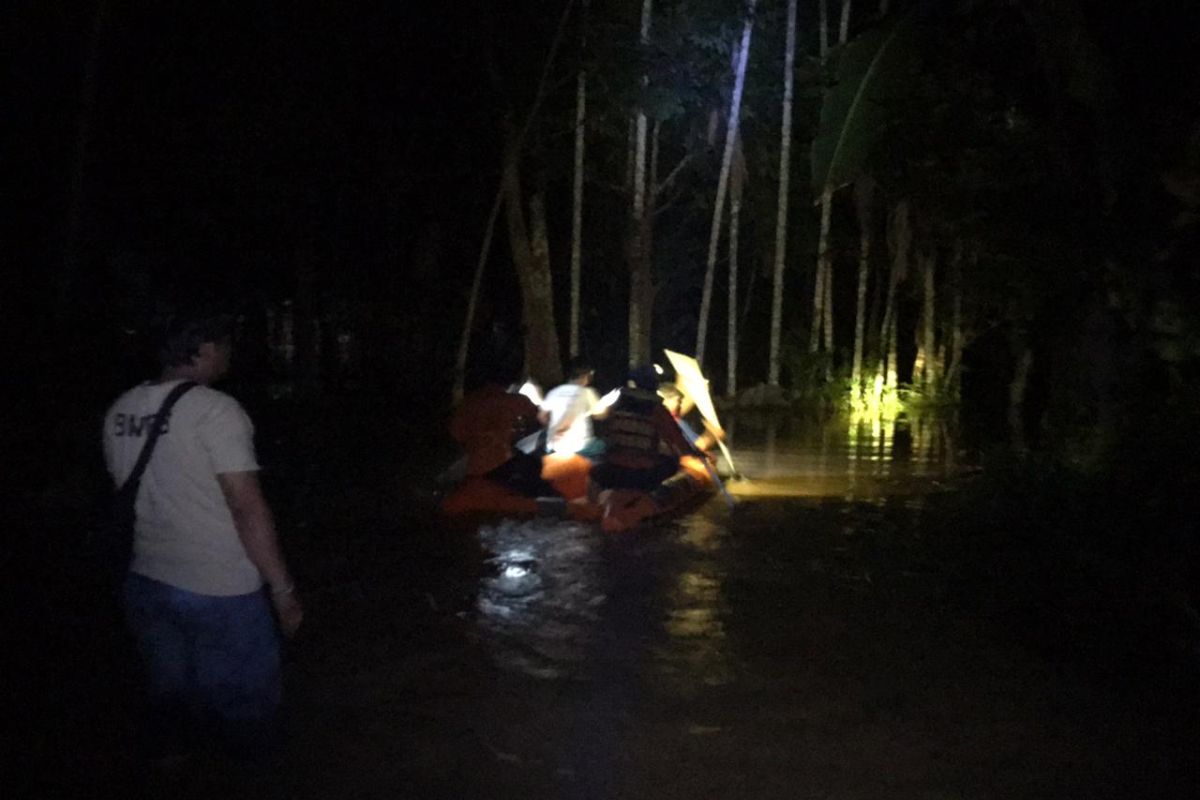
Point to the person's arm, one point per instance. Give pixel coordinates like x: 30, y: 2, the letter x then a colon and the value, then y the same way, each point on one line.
x: 596, y: 405
x: 256, y: 528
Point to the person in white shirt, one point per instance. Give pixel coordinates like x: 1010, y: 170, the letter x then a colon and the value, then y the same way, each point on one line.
x: 208, y: 589
x: 568, y: 410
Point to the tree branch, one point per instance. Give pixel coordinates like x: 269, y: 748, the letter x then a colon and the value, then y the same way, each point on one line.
x: 674, y: 173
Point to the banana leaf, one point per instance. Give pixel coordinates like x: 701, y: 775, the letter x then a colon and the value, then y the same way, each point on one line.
x: 874, y: 71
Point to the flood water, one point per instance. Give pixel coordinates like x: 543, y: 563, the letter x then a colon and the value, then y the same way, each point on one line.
x: 791, y: 644
x: 782, y: 647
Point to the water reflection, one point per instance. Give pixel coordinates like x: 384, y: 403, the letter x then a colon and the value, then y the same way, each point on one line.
x: 538, y: 605
x: 848, y: 458
x: 565, y: 601
x: 696, y: 652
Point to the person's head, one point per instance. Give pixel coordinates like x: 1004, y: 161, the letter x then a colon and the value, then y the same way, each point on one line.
x: 196, y: 339
x: 580, y: 370
x: 644, y: 377
x: 672, y: 398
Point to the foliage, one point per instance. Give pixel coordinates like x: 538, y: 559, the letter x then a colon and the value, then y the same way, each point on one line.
x: 874, y: 73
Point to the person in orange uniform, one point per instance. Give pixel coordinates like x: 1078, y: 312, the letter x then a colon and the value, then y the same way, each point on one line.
x: 678, y: 404
x: 642, y: 441
x: 488, y: 425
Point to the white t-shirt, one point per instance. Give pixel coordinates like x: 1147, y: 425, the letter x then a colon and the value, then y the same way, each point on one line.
x: 570, y: 402
x: 184, y: 535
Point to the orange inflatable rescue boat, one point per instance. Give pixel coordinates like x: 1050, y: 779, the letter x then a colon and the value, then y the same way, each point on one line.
x: 478, y: 499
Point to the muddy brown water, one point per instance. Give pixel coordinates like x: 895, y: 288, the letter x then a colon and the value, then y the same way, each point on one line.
x: 781, y: 648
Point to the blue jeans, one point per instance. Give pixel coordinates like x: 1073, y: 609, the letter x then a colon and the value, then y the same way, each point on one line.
x: 212, y: 667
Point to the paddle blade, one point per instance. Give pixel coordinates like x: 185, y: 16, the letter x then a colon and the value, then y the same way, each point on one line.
x: 694, y: 385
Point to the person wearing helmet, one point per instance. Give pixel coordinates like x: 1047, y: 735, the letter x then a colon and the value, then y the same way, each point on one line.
x: 677, y: 404
x: 642, y: 441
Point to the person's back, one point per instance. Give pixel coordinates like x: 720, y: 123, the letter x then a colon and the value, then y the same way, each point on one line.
x: 204, y: 546
x: 642, y: 441
x: 567, y: 412
x: 487, y: 425
x: 184, y: 533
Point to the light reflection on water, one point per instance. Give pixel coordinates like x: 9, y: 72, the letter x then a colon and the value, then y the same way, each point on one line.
x: 564, y: 601
x: 842, y: 458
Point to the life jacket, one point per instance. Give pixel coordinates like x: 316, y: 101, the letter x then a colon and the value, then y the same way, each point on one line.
x: 631, y: 434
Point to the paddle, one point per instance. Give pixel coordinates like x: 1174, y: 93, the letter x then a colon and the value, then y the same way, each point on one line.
x: 694, y: 385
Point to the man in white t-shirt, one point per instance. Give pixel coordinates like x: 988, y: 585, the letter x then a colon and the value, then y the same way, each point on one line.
x: 204, y: 546
x: 567, y: 412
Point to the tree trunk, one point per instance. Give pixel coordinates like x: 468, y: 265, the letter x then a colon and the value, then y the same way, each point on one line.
x: 863, y: 195
x: 531, y: 257
x: 823, y: 10
x: 893, y: 374
x: 819, y: 292
x: 954, y: 368
x: 827, y: 307
x: 735, y: 222
x: 637, y: 245
x: 641, y: 279
x: 844, y: 26
x: 731, y: 130
x: 899, y: 241
x: 577, y: 194
x: 464, y: 342
x: 477, y: 281
x: 642, y: 217
x: 929, y: 373
x: 781, y: 228
x: 1016, y: 395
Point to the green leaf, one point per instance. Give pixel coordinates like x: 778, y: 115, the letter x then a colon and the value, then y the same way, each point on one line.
x: 874, y: 71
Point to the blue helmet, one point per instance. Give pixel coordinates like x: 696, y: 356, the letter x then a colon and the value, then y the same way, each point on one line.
x: 644, y: 377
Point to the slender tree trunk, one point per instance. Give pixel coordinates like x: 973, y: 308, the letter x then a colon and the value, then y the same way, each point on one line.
x: 844, y: 25
x: 641, y: 216
x: 460, y: 367
x: 577, y: 194
x: 781, y: 228
x: 637, y: 249
x: 893, y: 373
x: 68, y: 275
x: 953, y: 371
x: 1016, y: 395
x: 723, y: 181
x: 929, y: 378
x: 735, y: 222
x: 630, y: 154
x: 827, y: 308
x: 819, y: 291
x: 641, y: 279
x: 823, y: 288
x: 863, y: 195
x: 823, y: 10
x: 885, y: 327
x: 899, y: 242
x: 883, y: 8
x: 464, y: 342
